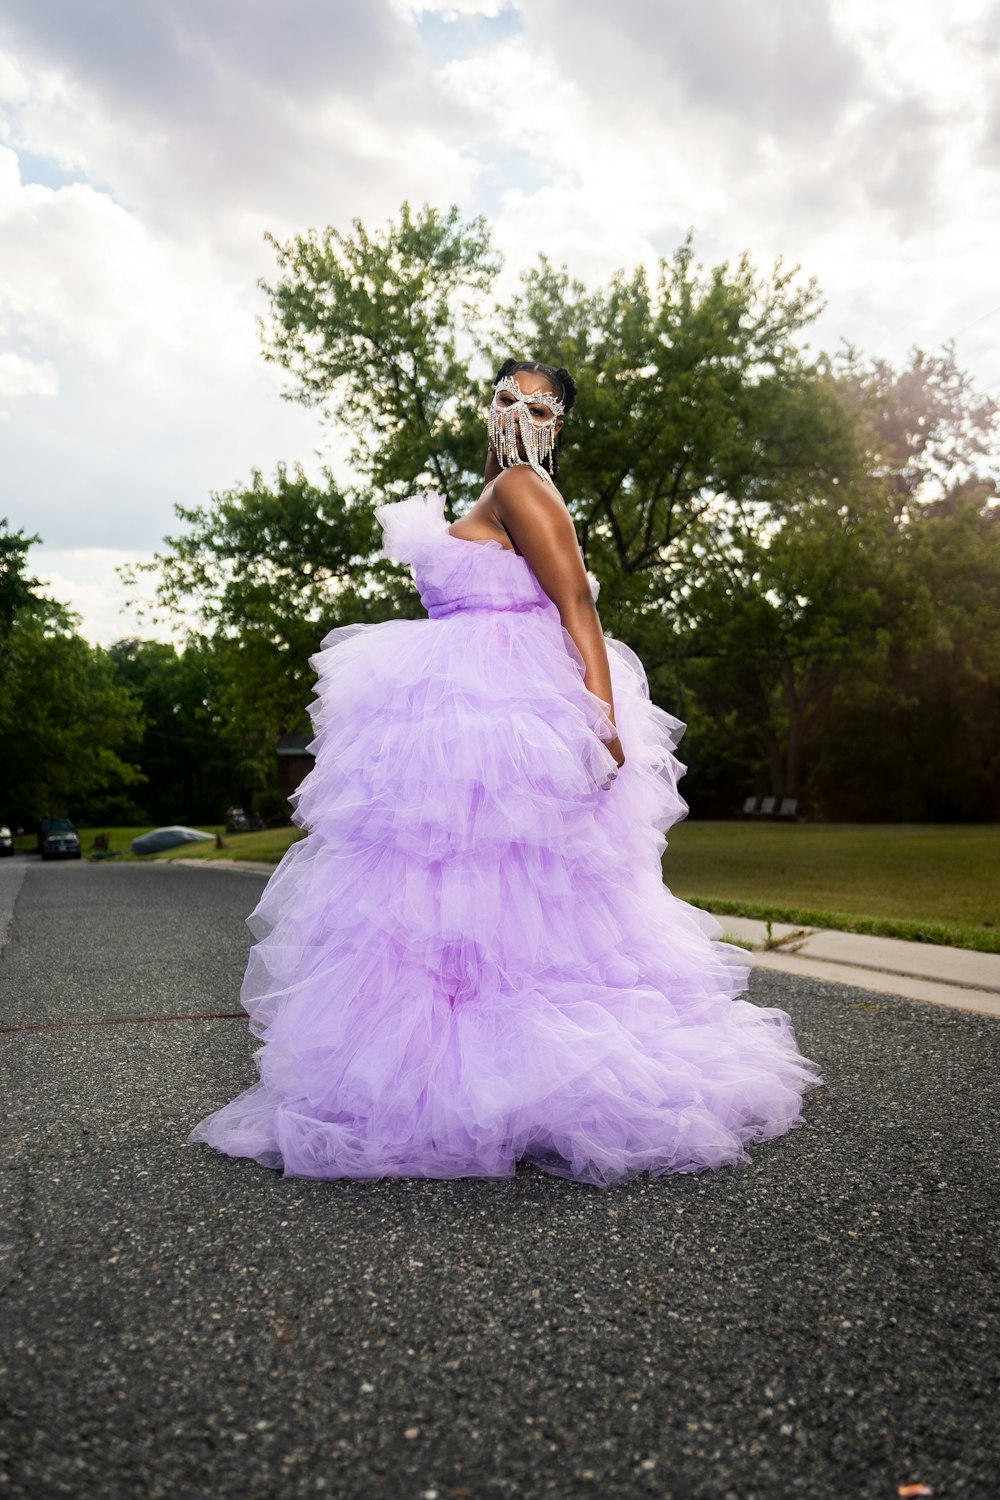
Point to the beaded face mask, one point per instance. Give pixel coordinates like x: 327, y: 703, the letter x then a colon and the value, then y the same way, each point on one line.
x: 532, y: 418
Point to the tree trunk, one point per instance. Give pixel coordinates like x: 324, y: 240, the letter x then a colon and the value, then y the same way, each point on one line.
x: 793, y: 755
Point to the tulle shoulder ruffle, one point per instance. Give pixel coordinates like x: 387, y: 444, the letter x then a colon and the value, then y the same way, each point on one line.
x: 409, y: 525
x: 412, y: 529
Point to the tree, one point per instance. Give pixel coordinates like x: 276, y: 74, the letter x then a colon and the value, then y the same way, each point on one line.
x: 367, y: 327
x: 17, y: 590
x: 915, y: 732
x: 64, y: 721
x: 842, y: 627
x: 188, y: 766
x: 692, y: 390
x: 697, y: 406
x: 374, y: 329
x: 776, y: 615
x: 927, y: 430
x: 65, y: 724
x: 269, y: 571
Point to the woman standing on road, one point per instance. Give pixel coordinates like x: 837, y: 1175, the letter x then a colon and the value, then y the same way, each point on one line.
x: 472, y: 959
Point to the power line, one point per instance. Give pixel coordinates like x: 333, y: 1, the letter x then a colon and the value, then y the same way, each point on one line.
x: 981, y: 319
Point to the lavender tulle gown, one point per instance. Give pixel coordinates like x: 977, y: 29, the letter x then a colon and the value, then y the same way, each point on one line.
x: 472, y: 958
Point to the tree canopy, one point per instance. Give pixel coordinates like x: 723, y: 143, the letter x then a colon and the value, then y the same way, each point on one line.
x: 799, y: 546
x: 66, y: 724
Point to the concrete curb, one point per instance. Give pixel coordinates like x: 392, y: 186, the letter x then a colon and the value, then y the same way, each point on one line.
x: 957, y: 978
x: 879, y: 981
x: 238, y: 866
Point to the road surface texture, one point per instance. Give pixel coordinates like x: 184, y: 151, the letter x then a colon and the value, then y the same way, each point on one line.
x: 174, y: 1323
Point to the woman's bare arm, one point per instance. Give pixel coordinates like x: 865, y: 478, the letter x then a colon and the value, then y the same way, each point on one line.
x: 535, y: 516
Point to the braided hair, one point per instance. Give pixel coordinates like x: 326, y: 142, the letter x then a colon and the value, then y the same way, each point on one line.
x: 563, y: 385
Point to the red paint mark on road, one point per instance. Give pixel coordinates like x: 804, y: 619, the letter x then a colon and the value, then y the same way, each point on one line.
x: 225, y: 1015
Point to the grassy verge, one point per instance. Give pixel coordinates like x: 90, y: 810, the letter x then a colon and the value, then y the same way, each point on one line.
x: 841, y: 921
x: 922, y: 883
x: 265, y: 847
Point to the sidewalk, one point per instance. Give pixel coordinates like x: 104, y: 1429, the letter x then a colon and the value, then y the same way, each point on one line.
x: 955, y: 977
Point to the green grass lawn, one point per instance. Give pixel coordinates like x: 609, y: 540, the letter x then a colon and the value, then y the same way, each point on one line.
x: 267, y: 846
x: 935, y: 883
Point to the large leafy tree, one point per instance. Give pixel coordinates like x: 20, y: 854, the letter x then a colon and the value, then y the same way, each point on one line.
x: 915, y: 726
x: 698, y: 409
x: 848, y: 629
x: 376, y: 330
x: 692, y: 390
x: 368, y: 328
x: 189, y: 767
x: 927, y: 431
x: 776, y: 616
x: 18, y: 591
x: 66, y: 725
x: 268, y: 570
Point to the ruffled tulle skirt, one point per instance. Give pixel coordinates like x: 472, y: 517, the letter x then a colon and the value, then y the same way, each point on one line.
x: 472, y: 959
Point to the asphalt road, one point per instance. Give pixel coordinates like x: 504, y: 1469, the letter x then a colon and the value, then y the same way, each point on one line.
x: 174, y: 1323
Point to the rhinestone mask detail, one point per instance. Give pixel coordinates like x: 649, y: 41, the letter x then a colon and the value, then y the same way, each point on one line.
x: 511, y: 417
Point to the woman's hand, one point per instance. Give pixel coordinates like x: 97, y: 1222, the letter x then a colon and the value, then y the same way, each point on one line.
x: 612, y: 745
x: 615, y: 746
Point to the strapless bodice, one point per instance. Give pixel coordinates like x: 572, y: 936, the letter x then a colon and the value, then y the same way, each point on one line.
x: 455, y: 573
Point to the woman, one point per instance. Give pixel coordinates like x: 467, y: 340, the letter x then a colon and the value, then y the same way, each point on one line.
x: 472, y: 959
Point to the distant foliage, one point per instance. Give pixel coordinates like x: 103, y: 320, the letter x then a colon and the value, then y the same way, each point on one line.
x: 66, y: 725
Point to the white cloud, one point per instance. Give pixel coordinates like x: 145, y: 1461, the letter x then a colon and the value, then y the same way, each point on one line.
x: 86, y: 580
x: 804, y: 132
x: 83, y: 275
x: 133, y: 293
x: 452, y: 10
x: 153, y: 352
x: 20, y: 376
x: 213, y: 131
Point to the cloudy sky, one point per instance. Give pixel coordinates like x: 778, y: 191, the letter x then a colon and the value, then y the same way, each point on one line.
x: 146, y: 145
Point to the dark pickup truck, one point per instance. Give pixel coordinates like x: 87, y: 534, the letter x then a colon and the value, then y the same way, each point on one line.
x: 58, y: 839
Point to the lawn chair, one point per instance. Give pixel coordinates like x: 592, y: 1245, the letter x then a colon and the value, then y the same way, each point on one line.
x: 789, y: 808
x: 767, y: 806
x: 749, y: 807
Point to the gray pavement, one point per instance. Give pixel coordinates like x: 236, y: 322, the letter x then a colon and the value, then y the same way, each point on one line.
x: 177, y: 1324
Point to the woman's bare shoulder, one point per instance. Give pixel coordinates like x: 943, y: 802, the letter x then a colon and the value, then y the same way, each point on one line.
x: 534, y: 514
x: 520, y: 489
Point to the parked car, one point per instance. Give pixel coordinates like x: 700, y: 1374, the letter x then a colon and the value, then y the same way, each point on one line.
x: 58, y: 839
x: 159, y: 839
x: 6, y: 840
x: 238, y: 821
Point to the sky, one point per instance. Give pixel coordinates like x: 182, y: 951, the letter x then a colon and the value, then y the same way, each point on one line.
x: 146, y: 148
